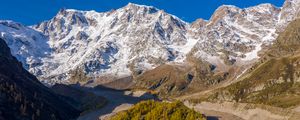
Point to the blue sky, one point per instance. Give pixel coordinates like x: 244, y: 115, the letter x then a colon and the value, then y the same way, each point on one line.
x: 30, y: 12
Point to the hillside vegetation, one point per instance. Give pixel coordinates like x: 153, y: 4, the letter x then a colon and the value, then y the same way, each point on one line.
x: 82, y: 100
x: 152, y: 110
x: 23, y: 97
x: 275, y: 82
x: 171, y: 80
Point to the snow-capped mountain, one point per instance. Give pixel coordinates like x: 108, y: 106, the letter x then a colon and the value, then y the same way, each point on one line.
x: 133, y: 37
x: 137, y: 38
x: 27, y: 45
x: 236, y: 34
x: 289, y: 12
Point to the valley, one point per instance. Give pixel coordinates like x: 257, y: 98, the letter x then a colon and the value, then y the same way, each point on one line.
x: 118, y: 99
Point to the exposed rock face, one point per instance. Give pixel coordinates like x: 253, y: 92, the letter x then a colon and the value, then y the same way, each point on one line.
x: 136, y: 38
x: 23, y: 97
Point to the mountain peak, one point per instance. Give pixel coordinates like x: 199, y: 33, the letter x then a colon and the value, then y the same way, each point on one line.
x: 199, y: 23
x: 131, y: 5
x: 292, y: 1
x: 11, y: 24
x: 290, y: 11
x: 292, y: 4
x: 263, y: 6
x: 141, y: 8
x: 223, y: 11
x: 64, y: 11
x: 228, y: 7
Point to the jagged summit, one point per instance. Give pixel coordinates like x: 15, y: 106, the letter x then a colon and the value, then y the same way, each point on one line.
x: 292, y: 1
x: 227, y: 7
x: 129, y: 6
x: 134, y: 5
x: 290, y: 11
x: 222, y: 11
x: 263, y: 8
x: 199, y: 23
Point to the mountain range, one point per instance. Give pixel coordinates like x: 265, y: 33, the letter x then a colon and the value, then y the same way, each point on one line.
x: 136, y: 38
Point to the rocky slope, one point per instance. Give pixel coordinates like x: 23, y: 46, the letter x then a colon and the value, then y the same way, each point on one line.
x: 23, y: 97
x: 275, y: 79
x: 84, y: 45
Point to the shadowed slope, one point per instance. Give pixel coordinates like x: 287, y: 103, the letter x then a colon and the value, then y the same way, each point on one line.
x: 22, y: 96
